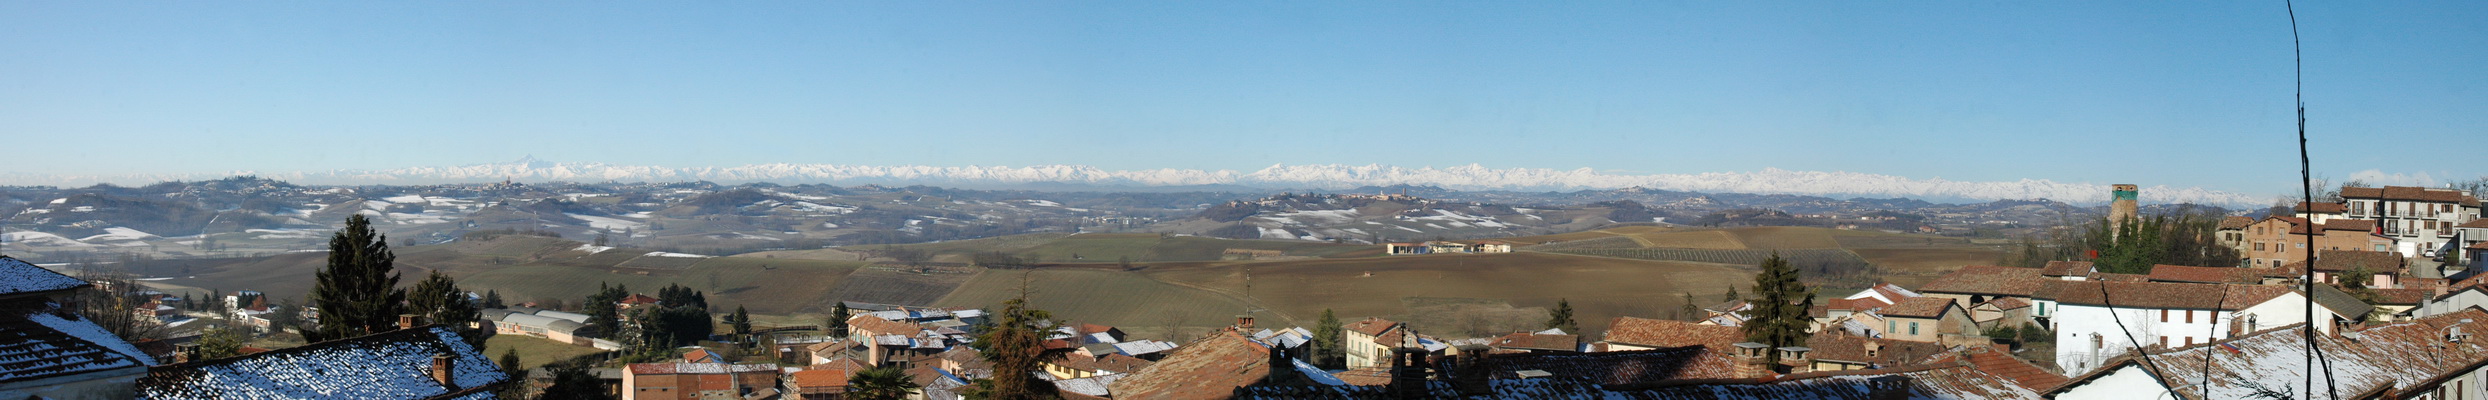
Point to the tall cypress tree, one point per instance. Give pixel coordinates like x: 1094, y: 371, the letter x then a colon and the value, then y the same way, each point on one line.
x: 742, y: 321
x: 1326, y: 336
x: 1780, y: 302
x: 357, y: 292
x: 838, y: 316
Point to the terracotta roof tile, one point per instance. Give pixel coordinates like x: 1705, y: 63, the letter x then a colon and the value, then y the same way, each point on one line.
x: 2476, y: 223
x: 1920, y: 307
x: 1372, y: 326
x: 1210, y: 368
x: 2323, y: 208
x: 2169, y: 295
x: 821, y: 378
x: 1619, y: 367
x: 2187, y: 274
x: 2381, y: 262
x: 2008, y: 303
x: 2117, y: 277
x: 1659, y: 333
x: 878, y: 326
x: 2232, y: 223
x: 1988, y: 280
x: 2017, y: 370
x: 2411, y: 193
x: 2353, y: 225
x: 2066, y: 268
x: 2402, y: 297
x: 1534, y: 341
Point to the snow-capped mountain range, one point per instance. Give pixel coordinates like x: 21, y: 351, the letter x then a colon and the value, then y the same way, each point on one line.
x: 1314, y: 176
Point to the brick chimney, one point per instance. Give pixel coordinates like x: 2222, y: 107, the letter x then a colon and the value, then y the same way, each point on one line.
x: 405, y: 321
x: 1408, y: 372
x: 442, y: 365
x: 1752, y: 360
x: 1244, y: 322
x: 1473, y: 375
x: 185, y: 352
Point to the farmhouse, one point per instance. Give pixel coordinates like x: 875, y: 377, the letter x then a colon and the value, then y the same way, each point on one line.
x: 1926, y: 319
x: 534, y: 322
x: 1447, y: 247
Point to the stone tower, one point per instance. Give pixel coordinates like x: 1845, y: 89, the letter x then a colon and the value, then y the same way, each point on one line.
x: 2121, y: 207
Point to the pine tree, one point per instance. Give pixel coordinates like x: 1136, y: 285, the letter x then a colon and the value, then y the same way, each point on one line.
x: 510, y: 366
x: 1326, y: 337
x: 602, y: 317
x: 884, y: 383
x: 1015, y: 344
x: 492, y: 299
x: 1779, y: 307
x: 838, y: 316
x: 438, y: 299
x: 1561, y: 317
x: 357, y: 292
x: 742, y: 321
x: 1730, y: 296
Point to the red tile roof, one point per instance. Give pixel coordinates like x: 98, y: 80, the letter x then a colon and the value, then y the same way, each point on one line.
x: 636, y: 298
x: 1210, y: 368
x: 2402, y: 297
x: 1372, y: 326
x: 2381, y: 262
x: 2008, y: 303
x: 1534, y: 341
x: 821, y: 378
x: 2232, y: 223
x: 2066, y: 268
x: 2017, y: 370
x: 2353, y: 225
x: 1619, y: 367
x: 2411, y: 193
x: 2187, y: 274
x: 2168, y: 295
x: 1989, y: 280
x: 2117, y: 277
x: 2323, y: 208
x: 2476, y: 223
x: 1919, y: 307
x: 1661, y: 333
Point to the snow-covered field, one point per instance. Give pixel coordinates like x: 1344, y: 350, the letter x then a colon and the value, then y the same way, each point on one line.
x: 609, y: 223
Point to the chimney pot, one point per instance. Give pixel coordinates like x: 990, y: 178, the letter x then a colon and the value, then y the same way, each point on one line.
x: 1244, y: 322
x: 405, y: 321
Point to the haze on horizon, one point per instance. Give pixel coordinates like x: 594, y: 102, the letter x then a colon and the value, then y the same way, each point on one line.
x: 2186, y: 95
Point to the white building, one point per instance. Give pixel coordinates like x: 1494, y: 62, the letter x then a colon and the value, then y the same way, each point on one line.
x: 2094, y: 325
x: 2421, y: 220
x: 2429, y: 358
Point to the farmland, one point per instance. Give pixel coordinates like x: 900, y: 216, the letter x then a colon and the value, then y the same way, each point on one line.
x: 1733, y: 257
x: 1599, y: 288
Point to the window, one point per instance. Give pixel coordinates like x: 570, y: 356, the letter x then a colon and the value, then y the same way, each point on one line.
x: 2258, y: 246
x: 2189, y: 319
x: 2163, y: 315
x: 2163, y: 342
x: 1913, y: 328
x: 2189, y: 340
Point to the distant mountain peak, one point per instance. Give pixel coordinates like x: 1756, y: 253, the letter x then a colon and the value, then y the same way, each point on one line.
x: 1772, y: 181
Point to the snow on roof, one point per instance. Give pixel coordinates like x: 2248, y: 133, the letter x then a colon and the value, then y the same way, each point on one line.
x: 17, y: 276
x: 1092, y: 386
x: 573, y: 317
x: 2402, y: 353
x: 1139, y: 347
x: 37, y: 342
x: 394, y: 365
x: 699, y: 368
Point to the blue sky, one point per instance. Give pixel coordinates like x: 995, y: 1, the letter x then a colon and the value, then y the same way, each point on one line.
x: 2158, y: 93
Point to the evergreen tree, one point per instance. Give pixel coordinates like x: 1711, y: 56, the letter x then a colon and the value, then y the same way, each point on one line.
x: 517, y: 373
x: 571, y: 381
x: 492, y: 299
x: 1326, y: 337
x: 1730, y: 296
x: 357, y: 292
x: 1561, y: 317
x: 602, y: 317
x: 438, y: 299
x: 742, y: 321
x: 838, y: 316
x: 1779, y: 307
x: 1015, y: 344
x: 1690, y: 312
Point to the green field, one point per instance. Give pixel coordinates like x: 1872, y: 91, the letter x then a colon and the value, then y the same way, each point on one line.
x: 533, y: 351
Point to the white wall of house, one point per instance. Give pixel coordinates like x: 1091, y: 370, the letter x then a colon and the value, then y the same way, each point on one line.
x: 2457, y: 301
x: 2126, y: 383
x: 2089, y: 335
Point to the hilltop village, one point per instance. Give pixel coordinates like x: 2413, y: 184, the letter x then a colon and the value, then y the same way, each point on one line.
x: 2384, y: 285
